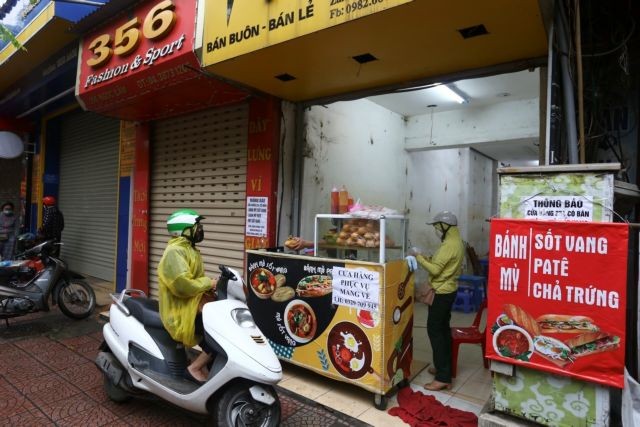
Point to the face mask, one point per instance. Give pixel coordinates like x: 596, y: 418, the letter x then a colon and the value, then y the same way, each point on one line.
x: 440, y: 231
x: 195, y: 234
x: 8, y: 212
x: 198, y: 236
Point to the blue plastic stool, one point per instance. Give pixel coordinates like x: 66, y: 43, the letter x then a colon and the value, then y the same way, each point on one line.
x: 477, y: 285
x: 464, y: 299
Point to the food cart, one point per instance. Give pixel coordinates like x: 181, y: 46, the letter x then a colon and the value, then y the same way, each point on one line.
x: 346, y: 313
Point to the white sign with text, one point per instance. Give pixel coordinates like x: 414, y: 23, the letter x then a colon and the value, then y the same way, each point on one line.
x: 256, y: 225
x: 357, y: 288
x: 559, y: 208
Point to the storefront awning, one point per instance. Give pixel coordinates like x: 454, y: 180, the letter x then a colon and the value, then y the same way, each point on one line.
x: 45, y: 31
x: 418, y: 41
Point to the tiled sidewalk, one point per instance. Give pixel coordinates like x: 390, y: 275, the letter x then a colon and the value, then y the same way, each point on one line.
x: 48, y: 378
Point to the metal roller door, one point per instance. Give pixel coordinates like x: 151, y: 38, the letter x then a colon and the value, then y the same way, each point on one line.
x: 199, y: 161
x: 89, y: 147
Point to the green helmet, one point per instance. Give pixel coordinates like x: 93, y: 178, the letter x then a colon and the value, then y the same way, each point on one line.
x: 181, y: 219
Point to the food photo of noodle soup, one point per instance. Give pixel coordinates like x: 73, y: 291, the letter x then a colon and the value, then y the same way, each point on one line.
x: 513, y: 342
x: 263, y: 283
x: 300, y: 321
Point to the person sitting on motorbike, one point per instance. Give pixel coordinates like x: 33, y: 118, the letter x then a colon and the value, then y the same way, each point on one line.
x: 52, y: 223
x: 182, y: 287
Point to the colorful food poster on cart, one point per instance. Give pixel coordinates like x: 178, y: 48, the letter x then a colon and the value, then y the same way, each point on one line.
x: 325, y: 315
x: 558, y: 297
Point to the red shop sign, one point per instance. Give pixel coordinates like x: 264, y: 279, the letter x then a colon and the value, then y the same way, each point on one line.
x: 139, y: 53
x: 557, y: 297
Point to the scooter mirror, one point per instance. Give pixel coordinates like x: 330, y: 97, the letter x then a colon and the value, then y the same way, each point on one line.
x: 221, y: 289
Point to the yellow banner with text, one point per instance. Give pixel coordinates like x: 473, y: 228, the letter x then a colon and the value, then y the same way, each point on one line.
x: 233, y: 28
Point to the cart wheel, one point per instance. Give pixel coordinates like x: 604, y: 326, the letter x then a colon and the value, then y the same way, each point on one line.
x: 380, y: 401
x: 404, y: 383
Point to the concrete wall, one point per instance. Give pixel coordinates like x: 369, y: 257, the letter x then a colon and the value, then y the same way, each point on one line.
x: 460, y: 180
x: 502, y: 122
x: 381, y: 157
x: 357, y: 144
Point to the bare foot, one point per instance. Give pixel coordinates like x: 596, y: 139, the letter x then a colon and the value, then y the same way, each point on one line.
x: 197, y: 374
x: 437, y: 386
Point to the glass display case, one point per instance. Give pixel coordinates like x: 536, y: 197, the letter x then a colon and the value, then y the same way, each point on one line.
x: 344, y: 236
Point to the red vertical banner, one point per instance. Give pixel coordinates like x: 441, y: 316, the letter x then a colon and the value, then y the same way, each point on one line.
x: 140, y: 210
x: 263, y: 154
x: 557, y: 297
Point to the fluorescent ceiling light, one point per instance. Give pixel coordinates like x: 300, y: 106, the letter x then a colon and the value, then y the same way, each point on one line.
x: 452, y: 93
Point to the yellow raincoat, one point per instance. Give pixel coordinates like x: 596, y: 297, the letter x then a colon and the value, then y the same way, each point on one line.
x: 445, y: 266
x: 182, y: 283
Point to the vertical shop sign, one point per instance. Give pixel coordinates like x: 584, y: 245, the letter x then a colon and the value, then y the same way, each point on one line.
x: 262, y: 172
x: 140, y: 211
x: 127, y: 147
x: 558, y: 297
x: 127, y: 156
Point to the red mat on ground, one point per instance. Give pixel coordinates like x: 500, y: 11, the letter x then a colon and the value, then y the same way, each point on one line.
x: 420, y: 410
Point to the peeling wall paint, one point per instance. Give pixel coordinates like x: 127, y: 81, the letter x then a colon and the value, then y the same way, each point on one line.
x: 362, y: 145
x: 357, y: 144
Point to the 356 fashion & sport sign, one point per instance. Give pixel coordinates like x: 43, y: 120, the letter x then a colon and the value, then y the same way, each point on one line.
x: 153, y: 45
x: 557, y: 297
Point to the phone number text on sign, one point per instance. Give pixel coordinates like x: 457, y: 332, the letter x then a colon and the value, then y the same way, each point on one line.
x: 358, y: 288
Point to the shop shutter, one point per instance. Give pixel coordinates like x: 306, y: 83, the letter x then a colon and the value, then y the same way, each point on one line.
x: 88, y: 192
x: 199, y: 161
x: 11, y: 172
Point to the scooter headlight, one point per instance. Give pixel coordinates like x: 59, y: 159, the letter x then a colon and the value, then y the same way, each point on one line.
x: 243, y: 318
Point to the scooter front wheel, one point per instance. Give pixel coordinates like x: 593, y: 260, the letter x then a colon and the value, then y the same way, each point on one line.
x: 114, y: 392
x: 238, y: 408
x: 77, y: 299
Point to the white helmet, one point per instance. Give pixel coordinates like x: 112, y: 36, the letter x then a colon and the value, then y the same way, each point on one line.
x: 445, y: 217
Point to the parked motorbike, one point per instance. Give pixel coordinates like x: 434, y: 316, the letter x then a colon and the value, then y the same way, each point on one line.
x: 34, y: 277
x: 138, y: 357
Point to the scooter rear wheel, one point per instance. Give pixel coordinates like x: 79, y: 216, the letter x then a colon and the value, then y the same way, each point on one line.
x: 77, y: 299
x: 237, y: 408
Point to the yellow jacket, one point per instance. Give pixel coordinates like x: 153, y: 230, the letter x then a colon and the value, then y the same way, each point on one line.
x: 445, y: 266
x: 182, y: 283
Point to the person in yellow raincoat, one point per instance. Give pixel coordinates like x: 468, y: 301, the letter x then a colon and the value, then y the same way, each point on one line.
x: 444, y: 268
x: 182, y: 286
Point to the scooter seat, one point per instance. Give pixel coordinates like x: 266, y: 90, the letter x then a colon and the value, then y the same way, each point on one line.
x: 145, y: 310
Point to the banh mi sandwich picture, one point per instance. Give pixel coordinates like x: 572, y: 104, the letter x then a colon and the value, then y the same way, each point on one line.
x: 592, y: 342
x: 522, y: 319
x: 553, y: 350
x: 565, y: 324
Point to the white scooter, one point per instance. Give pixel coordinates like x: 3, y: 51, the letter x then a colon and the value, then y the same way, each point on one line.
x: 139, y: 357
